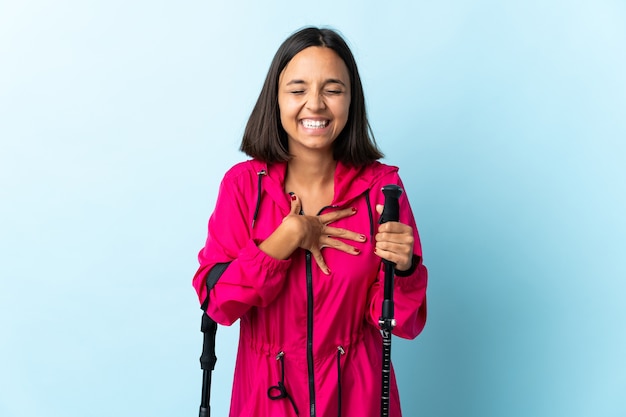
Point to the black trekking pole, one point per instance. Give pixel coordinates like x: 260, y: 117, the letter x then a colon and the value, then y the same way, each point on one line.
x: 207, y: 362
x: 391, y: 213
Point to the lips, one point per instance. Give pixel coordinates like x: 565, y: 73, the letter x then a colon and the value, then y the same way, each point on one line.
x: 314, y: 124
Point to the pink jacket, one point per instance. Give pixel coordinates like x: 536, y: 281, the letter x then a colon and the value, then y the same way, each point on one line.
x: 310, y: 341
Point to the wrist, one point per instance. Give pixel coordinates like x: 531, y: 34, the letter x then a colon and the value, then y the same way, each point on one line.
x: 283, y: 241
x: 405, y: 273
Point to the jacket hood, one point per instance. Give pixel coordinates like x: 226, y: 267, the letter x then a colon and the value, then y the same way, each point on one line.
x: 351, y: 182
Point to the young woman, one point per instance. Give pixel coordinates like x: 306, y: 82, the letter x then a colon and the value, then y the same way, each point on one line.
x: 294, y: 247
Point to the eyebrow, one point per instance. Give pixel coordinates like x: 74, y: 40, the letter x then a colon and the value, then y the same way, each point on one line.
x: 329, y: 81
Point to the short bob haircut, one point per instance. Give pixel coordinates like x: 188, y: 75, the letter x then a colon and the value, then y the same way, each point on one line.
x: 265, y: 138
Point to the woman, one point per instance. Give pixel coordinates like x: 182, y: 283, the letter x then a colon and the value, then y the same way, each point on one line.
x: 294, y: 249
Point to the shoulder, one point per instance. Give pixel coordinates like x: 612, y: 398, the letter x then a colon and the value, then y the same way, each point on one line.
x: 382, y: 167
x: 380, y: 171
x: 249, y: 167
x: 241, y: 177
x: 244, y: 171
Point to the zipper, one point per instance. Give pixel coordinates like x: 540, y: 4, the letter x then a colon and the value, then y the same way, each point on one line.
x: 309, y: 326
x: 309, y: 335
x: 340, y: 351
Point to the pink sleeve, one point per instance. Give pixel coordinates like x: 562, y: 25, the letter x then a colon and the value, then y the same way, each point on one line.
x: 409, y: 293
x: 252, y: 278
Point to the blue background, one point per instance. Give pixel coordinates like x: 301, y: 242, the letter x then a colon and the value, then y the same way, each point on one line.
x: 118, y: 120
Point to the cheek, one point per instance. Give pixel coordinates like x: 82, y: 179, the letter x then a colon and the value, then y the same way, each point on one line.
x: 344, y: 113
x: 287, y: 109
x: 286, y: 120
x: 345, y: 108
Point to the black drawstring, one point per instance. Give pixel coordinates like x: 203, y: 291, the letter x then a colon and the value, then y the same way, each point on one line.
x: 280, y: 387
x: 340, y: 351
x: 258, y: 196
x: 369, y: 212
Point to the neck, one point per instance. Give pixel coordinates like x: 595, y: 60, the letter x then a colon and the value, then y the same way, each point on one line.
x: 312, y: 170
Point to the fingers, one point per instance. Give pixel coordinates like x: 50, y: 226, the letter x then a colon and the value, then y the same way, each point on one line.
x: 318, y: 235
x: 296, y: 205
x: 328, y: 218
x: 394, y: 242
x: 319, y: 259
x: 400, y: 254
x: 334, y: 232
x: 330, y: 242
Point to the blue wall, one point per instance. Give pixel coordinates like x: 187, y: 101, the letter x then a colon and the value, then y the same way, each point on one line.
x: 118, y: 119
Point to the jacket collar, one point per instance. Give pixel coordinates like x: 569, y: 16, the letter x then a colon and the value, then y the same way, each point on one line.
x: 350, y: 181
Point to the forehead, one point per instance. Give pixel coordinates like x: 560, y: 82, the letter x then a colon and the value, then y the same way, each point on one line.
x: 314, y: 63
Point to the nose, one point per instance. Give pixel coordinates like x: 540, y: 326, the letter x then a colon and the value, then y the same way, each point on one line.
x: 315, y: 101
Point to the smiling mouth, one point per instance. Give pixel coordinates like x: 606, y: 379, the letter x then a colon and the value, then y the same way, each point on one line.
x: 314, y: 124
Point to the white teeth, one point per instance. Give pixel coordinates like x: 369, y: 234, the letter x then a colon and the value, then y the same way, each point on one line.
x: 314, y: 124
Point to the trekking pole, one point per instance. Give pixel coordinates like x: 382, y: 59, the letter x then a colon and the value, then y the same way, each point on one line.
x: 207, y: 362
x: 391, y: 213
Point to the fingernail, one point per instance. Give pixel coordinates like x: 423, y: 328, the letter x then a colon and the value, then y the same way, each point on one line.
x: 356, y: 250
x: 362, y: 237
x: 293, y: 196
x: 327, y: 271
x: 354, y: 209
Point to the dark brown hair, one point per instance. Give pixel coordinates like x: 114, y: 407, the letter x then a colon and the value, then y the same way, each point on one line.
x: 265, y: 138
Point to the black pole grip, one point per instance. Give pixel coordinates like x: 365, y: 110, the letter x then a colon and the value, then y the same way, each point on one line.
x: 209, y: 330
x: 207, y: 363
x: 391, y: 209
x: 391, y: 213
